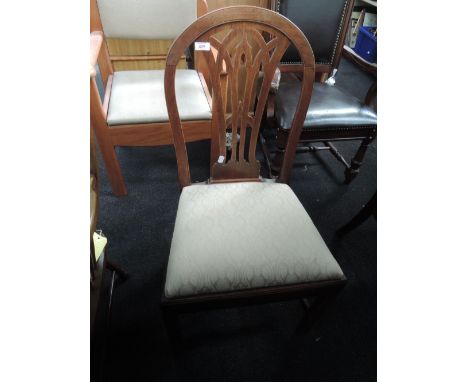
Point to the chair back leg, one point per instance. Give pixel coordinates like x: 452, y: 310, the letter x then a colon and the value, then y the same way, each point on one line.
x: 353, y: 170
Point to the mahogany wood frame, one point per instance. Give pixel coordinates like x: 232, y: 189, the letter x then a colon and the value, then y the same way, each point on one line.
x: 240, y: 20
x: 199, y: 30
x: 146, y: 134
x: 366, y: 134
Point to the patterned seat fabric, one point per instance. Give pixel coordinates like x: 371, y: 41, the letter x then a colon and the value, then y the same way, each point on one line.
x: 138, y: 97
x: 238, y: 236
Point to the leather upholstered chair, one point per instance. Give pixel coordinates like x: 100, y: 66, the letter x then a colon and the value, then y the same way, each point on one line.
x: 238, y: 238
x: 332, y: 115
x: 133, y: 112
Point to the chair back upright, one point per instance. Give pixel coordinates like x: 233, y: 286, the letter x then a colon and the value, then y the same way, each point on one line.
x: 248, y: 42
x: 324, y: 23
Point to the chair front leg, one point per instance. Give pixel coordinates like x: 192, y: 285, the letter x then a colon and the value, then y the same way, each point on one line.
x: 112, y: 164
x: 353, y: 170
x: 101, y: 129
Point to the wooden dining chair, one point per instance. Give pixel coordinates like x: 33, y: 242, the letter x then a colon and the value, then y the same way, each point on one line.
x: 238, y: 238
x: 332, y: 115
x: 133, y: 111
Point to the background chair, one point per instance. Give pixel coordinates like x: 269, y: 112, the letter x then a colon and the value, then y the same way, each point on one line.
x: 133, y: 111
x: 239, y: 239
x: 332, y: 114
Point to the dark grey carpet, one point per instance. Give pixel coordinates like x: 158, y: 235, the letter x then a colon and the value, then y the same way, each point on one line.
x: 258, y: 343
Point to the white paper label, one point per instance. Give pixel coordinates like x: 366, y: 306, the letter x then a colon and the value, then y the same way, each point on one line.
x: 202, y: 46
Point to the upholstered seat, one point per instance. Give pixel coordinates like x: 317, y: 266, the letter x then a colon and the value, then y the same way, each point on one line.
x: 329, y: 107
x: 138, y: 97
x: 237, y: 236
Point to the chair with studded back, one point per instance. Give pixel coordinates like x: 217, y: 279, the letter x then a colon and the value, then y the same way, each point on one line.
x: 238, y: 238
x: 332, y: 115
x: 129, y: 42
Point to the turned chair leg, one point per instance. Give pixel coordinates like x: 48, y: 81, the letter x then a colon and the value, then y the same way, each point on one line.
x: 352, y: 171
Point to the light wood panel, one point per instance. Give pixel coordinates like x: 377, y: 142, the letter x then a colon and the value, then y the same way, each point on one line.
x: 145, y: 65
x: 158, y: 134
x: 134, y: 47
x: 130, y: 54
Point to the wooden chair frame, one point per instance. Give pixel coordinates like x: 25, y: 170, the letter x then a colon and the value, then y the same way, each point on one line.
x: 145, y: 134
x: 240, y: 20
x: 366, y: 134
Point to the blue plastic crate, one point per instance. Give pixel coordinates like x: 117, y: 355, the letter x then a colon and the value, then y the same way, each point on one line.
x: 366, y: 44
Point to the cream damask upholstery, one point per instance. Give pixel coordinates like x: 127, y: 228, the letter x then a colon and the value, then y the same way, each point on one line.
x: 146, y: 19
x: 138, y: 97
x: 237, y: 236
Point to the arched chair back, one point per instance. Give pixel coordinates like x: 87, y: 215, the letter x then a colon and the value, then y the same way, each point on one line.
x: 245, y: 43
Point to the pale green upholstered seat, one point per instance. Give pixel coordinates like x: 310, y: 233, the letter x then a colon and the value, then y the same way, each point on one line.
x: 237, y: 236
x: 138, y: 97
